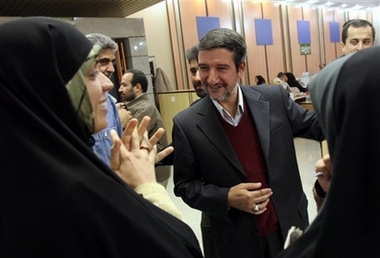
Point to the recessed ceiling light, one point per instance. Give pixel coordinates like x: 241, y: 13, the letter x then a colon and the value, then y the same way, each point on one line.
x: 358, y: 6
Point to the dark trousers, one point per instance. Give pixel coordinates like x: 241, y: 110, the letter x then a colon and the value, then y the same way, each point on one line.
x: 208, y: 244
x: 272, y: 244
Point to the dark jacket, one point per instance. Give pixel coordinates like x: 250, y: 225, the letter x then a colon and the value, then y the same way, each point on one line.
x: 208, y: 167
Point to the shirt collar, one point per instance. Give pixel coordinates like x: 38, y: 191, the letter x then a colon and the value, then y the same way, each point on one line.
x: 240, y: 109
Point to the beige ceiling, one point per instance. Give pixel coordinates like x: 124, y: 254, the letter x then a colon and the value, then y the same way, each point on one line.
x: 343, y: 4
x: 123, y: 8
x: 73, y: 8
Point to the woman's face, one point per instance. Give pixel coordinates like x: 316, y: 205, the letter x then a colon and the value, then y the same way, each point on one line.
x: 98, y: 85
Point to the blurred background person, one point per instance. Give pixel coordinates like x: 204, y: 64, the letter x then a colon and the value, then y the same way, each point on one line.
x: 357, y: 34
x: 133, y: 92
x: 321, y: 66
x: 291, y: 80
x: 259, y: 80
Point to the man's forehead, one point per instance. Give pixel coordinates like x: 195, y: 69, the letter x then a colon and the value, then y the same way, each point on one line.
x: 106, y: 52
x: 215, y: 55
x: 193, y: 62
x: 360, y: 32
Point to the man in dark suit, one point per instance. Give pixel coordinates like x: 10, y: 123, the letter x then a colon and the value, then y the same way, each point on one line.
x: 235, y: 156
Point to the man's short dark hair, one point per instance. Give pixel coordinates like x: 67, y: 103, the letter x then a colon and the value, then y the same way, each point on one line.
x: 228, y: 39
x: 138, y: 77
x: 192, y: 53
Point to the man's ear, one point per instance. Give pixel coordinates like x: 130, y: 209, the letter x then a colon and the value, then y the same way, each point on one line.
x: 342, y: 46
x: 138, y: 88
x: 241, y: 69
x: 242, y: 66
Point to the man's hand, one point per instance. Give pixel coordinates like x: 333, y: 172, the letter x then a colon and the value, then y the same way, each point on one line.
x: 133, y: 156
x: 324, y: 165
x: 246, y: 196
x: 125, y: 116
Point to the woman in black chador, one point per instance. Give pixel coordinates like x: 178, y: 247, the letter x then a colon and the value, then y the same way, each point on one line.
x: 57, y: 198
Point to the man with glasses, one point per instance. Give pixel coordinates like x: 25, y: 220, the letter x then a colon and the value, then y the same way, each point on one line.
x: 116, y: 117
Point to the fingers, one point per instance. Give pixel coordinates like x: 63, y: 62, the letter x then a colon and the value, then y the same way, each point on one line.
x: 260, y: 208
x: 125, y: 116
x: 328, y: 164
x: 249, y: 186
x: 157, y: 136
x: 128, y: 131
x: 262, y: 195
x: 323, y: 168
x: 243, y: 197
x: 162, y: 154
x: 120, y: 105
x: 154, y: 139
x: 143, y: 126
x: 115, y: 150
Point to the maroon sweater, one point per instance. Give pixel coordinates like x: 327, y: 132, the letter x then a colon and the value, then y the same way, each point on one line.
x: 245, y: 141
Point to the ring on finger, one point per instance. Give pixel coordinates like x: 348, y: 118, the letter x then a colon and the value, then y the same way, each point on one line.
x: 144, y: 148
x: 256, y: 208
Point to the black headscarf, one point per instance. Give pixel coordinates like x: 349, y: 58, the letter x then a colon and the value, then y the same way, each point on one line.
x: 293, y: 82
x: 57, y: 199
x: 346, y: 99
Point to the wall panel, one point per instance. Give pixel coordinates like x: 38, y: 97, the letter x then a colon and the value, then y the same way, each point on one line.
x: 312, y: 60
x: 189, y: 10
x: 178, y: 58
x: 275, y: 53
x: 221, y: 9
x: 340, y: 17
x: 297, y: 60
x: 257, y: 61
x: 284, y: 54
x: 330, y: 47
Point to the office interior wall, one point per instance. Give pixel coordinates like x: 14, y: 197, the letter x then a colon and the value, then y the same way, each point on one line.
x: 170, y: 28
x: 159, y: 39
x: 283, y: 55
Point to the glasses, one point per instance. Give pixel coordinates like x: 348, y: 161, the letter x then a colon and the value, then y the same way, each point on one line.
x: 105, y: 61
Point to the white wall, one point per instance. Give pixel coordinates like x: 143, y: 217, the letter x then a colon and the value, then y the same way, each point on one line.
x: 158, y: 37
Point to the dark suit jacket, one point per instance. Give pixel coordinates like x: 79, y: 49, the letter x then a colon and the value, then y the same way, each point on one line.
x: 206, y: 166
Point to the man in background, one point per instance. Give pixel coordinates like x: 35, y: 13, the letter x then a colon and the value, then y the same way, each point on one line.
x: 133, y: 92
x: 105, y: 60
x: 357, y: 34
x: 291, y: 80
x: 192, y: 55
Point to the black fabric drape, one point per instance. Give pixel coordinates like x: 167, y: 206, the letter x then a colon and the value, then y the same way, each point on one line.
x: 57, y: 199
x: 346, y: 98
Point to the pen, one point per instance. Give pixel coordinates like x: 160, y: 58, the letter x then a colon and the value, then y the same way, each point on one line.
x: 319, y: 174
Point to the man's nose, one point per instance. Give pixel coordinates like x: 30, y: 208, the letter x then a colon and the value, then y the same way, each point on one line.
x: 359, y: 46
x: 107, y: 85
x: 197, y: 77
x: 213, y: 77
x: 110, y: 67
